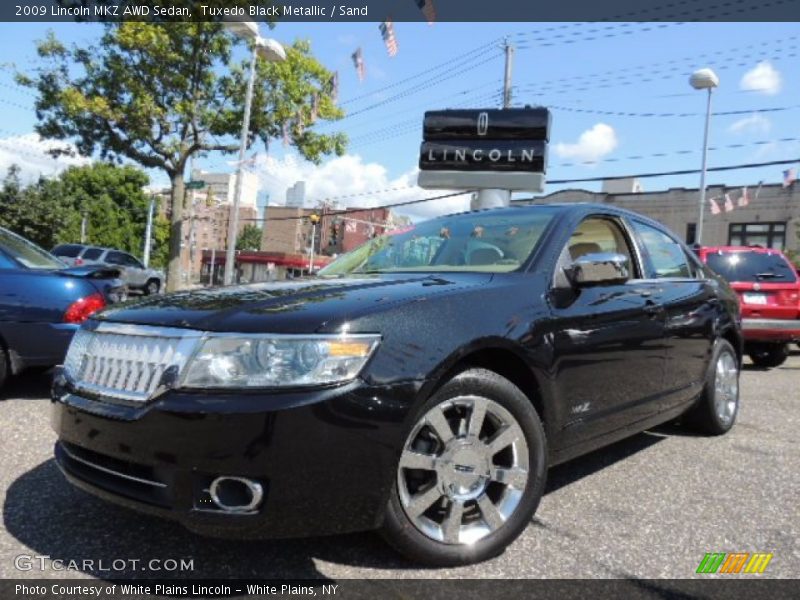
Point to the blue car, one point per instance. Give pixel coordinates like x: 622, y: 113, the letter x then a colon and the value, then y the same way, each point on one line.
x: 43, y: 302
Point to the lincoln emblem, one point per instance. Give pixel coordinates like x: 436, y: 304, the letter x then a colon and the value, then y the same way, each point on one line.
x: 483, y: 123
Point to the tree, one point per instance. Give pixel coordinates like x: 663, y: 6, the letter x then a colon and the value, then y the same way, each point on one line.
x: 249, y: 238
x: 159, y: 94
x: 50, y: 211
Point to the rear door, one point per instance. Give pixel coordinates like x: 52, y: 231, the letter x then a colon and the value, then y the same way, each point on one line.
x: 691, y: 305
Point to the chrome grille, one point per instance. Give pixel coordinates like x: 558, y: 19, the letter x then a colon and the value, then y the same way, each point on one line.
x: 127, y: 362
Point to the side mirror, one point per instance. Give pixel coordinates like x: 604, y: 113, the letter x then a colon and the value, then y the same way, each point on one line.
x: 599, y: 268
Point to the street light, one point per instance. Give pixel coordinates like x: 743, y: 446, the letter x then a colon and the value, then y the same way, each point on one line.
x: 703, y: 79
x: 271, y: 51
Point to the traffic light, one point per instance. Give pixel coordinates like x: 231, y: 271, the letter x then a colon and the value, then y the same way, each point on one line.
x: 313, y: 218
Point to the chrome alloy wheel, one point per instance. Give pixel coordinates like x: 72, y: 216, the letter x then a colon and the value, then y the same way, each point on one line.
x: 726, y: 387
x: 463, y: 470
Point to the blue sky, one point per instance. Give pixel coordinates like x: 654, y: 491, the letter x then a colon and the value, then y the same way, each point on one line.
x: 581, y: 70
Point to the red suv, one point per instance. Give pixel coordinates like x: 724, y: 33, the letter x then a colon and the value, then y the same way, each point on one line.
x: 769, y: 295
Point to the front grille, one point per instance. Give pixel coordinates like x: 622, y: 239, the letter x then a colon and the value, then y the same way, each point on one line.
x: 127, y: 362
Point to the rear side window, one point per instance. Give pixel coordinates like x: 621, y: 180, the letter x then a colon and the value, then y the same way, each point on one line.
x: 666, y: 254
x: 68, y: 250
x: 92, y: 254
x: 751, y: 266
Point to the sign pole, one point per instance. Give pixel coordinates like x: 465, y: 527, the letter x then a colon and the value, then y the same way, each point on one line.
x: 498, y: 198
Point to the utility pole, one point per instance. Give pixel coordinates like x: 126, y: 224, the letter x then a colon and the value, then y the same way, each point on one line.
x: 509, y: 50
x: 495, y: 198
x: 233, y: 224
x: 314, y: 220
x: 148, y: 232
x: 83, y: 228
x: 213, y: 265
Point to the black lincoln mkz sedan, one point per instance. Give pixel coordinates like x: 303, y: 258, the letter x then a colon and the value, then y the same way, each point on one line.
x: 421, y: 385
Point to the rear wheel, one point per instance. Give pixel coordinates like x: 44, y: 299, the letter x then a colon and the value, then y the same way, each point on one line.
x: 470, y: 474
x: 716, y: 410
x: 152, y: 287
x: 768, y: 355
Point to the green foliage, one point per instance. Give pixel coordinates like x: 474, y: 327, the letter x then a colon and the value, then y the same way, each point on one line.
x: 50, y: 211
x: 159, y: 94
x: 249, y: 238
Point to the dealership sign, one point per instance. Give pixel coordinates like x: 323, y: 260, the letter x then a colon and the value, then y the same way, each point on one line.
x: 493, y: 148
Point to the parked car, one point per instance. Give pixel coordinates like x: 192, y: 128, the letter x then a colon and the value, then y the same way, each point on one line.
x: 133, y: 272
x: 43, y: 302
x: 769, y: 294
x: 421, y: 384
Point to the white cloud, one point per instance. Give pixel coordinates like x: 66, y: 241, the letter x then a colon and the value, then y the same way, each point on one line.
x: 29, y: 152
x: 755, y: 123
x: 592, y: 145
x: 349, y: 174
x: 763, y: 78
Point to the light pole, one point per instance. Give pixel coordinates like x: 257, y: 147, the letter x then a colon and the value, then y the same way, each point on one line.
x: 703, y: 79
x: 271, y: 51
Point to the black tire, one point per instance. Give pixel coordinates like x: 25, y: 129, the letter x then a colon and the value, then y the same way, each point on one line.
x: 401, y: 532
x: 704, y: 417
x: 768, y: 355
x: 152, y: 287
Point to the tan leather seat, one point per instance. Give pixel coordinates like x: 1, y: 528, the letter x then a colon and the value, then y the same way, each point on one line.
x: 583, y: 248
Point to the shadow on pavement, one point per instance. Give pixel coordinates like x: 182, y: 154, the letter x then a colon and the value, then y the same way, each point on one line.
x: 588, y: 464
x: 33, y: 384
x: 50, y: 517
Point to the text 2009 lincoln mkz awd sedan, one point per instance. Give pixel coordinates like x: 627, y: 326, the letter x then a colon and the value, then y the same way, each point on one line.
x: 422, y: 385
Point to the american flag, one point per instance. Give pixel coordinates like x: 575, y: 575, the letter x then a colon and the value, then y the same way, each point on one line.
x: 789, y: 177
x: 743, y: 199
x: 715, y: 210
x: 387, y: 33
x: 728, y: 203
x: 427, y: 8
x: 358, y: 63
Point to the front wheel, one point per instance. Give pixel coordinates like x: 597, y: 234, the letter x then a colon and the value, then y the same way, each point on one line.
x: 152, y: 287
x: 717, y: 408
x: 768, y: 355
x: 470, y: 474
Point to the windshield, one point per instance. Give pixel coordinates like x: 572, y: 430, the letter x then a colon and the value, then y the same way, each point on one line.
x: 490, y: 243
x: 751, y: 266
x: 27, y: 253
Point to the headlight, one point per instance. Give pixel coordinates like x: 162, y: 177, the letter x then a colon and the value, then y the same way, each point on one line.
x: 271, y: 361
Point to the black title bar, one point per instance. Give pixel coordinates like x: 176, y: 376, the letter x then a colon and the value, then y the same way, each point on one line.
x: 653, y: 14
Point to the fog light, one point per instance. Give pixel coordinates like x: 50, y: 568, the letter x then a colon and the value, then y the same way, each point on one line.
x: 236, y: 494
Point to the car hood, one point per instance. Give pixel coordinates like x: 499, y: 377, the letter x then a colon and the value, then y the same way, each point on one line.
x: 298, y: 306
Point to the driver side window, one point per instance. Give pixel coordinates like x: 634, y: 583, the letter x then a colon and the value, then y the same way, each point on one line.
x: 595, y: 235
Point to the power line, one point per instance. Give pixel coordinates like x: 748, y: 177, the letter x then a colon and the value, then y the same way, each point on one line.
x: 348, y: 211
x: 680, y: 172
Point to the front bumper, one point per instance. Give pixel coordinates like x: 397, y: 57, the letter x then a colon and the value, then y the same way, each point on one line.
x: 326, y: 458
x: 756, y: 329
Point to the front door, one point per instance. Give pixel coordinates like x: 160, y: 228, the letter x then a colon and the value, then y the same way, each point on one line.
x: 609, y: 340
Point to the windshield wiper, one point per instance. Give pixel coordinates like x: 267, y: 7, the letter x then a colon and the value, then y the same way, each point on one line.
x: 769, y: 275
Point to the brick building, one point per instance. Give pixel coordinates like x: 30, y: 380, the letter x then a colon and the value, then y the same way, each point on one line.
x: 772, y: 219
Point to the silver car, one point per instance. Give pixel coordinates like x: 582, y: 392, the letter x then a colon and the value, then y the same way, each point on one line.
x: 132, y: 271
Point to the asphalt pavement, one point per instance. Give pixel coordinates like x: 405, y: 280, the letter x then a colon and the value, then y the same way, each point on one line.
x: 648, y: 507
